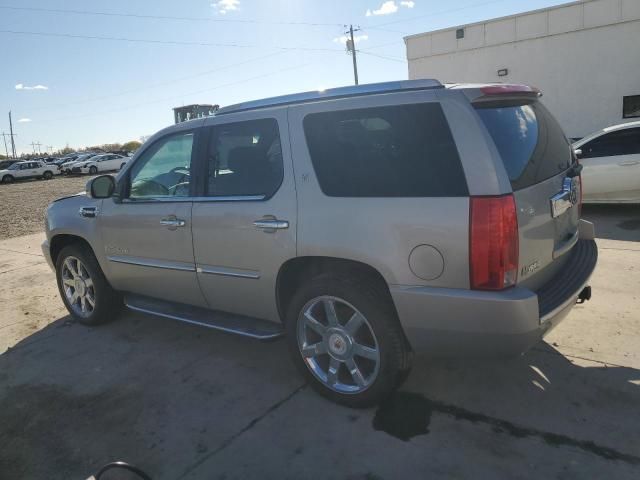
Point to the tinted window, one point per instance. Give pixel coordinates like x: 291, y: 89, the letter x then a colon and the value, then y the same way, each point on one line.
x: 622, y: 142
x: 245, y: 158
x: 397, y: 151
x: 164, y: 169
x: 530, y: 142
x: 631, y: 107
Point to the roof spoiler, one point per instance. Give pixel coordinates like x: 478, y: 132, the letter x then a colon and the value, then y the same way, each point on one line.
x: 505, y: 93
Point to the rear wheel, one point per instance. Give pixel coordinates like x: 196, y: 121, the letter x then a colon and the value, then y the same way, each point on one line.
x: 93, y: 170
x: 344, y: 336
x: 83, y: 287
x: 47, y: 175
x: 7, y: 179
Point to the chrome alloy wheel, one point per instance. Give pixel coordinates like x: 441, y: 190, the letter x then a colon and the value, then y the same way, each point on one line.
x: 338, y: 345
x: 78, y: 287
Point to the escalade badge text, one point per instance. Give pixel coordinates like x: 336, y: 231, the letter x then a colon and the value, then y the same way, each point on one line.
x: 529, y: 269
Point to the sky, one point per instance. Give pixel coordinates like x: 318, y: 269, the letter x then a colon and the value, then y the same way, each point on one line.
x: 83, y: 72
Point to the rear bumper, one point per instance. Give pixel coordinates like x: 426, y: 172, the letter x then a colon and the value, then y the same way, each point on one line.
x: 442, y: 321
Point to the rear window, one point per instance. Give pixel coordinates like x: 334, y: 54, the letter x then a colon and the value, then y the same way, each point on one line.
x: 395, y: 151
x: 529, y: 140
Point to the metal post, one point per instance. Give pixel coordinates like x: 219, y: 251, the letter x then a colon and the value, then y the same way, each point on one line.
x: 13, y: 144
x: 6, y: 149
x: 353, y: 55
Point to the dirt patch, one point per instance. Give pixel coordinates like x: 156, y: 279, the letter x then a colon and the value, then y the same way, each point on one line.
x: 22, y: 204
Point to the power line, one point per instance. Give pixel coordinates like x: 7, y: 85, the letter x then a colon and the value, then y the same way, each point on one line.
x: 160, y: 84
x: 182, y: 95
x: 166, y: 42
x: 394, y: 59
x: 163, y: 17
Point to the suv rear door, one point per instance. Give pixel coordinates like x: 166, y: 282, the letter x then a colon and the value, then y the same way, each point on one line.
x: 244, y: 223
x: 539, y: 162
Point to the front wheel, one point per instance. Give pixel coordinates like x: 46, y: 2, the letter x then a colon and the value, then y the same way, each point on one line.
x: 7, y: 179
x: 93, y: 170
x: 83, y: 287
x: 47, y: 175
x: 344, y: 336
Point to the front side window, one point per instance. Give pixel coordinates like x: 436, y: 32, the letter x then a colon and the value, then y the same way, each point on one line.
x: 622, y: 142
x: 245, y: 159
x: 394, y: 151
x: 164, y: 170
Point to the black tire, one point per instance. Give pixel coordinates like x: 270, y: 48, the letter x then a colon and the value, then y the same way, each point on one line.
x: 47, y: 175
x: 107, y: 302
x: 8, y: 179
x: 93, y: 170
x: 376, y: 306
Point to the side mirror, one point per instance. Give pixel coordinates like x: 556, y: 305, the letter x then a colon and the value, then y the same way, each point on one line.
x: 578, y: 153
x: 101, y: 187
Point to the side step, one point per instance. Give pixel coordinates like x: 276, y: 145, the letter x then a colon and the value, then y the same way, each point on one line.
x: 236, y: 324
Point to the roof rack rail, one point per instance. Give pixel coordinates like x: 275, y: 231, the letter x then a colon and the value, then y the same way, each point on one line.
x: 332, y: 93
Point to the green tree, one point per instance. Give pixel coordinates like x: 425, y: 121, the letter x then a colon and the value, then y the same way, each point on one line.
x: 131, y: 146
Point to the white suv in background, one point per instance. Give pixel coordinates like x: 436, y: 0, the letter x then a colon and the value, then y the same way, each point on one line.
x: 101, y: 163
x: 23, y: 170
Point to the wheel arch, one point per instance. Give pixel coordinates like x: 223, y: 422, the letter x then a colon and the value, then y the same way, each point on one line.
x: 295, y: 269
x: 59, y: 241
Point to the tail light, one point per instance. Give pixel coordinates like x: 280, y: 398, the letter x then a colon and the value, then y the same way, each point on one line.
x: 493, y: 243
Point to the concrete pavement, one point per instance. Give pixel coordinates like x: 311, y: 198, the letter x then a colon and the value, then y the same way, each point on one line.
x: 186, y: 402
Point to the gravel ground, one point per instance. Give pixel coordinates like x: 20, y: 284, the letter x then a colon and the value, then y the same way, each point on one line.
x: 22, y: 204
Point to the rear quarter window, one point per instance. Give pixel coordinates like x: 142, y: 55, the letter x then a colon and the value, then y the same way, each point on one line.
x: 394, y: 151
x: 530, y: 142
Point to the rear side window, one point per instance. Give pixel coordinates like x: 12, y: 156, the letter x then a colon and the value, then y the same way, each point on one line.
x: 396, y: 151
x: 530, y: 141
x: 245, y: 159
x: 622, y: 142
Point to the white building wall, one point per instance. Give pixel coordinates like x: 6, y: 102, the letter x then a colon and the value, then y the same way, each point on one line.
x: 584, y: 56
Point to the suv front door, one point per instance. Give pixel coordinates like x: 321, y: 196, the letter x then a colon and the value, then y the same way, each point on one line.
x: 146, y: 231
x: 244, y: 228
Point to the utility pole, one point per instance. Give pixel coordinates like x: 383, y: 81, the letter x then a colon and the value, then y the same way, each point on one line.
x: 351, y: 47
x: 38, y: 144
x: 6, y: 149
x: 13, y: 144
x: 33, y: 145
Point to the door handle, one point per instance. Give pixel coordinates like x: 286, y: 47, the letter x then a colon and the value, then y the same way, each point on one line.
x: 172, y: 222
x: 271, y: 224
x: 629, y: 164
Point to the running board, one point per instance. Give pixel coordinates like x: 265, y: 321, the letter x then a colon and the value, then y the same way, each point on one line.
x: 225, y: 322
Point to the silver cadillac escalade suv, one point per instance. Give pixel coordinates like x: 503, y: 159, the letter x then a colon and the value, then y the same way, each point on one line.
x: 365, y: 223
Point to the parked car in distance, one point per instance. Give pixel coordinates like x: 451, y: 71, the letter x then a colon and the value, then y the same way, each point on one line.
x: 24, y: 170
x: 107, y: 162
x: 67, y: 166
x: 611, y: 160
x: 7, y: 163
x: 364, y: 223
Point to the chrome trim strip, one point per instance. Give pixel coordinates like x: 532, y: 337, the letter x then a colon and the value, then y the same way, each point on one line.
x: 202, y: 324
x: 230, y: 198
x: 227, y: 272
x: 148, y: 262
